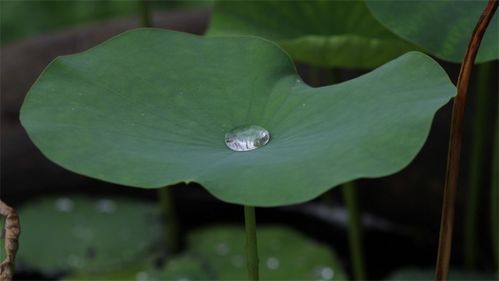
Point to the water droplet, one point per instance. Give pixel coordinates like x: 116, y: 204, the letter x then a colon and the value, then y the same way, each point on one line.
x: 272, y: 263
x: 64, y: 204
x: 74, y: 261
x: 304, y: 105
x: 222, y: 249
x: 142, y: 276
x: 142, y: 114
x: 106, y: 206
x: 246, y: 138
x: 83, y: 232
x: 298, y: 80
x: 326, y: 273
x: 237, y: 261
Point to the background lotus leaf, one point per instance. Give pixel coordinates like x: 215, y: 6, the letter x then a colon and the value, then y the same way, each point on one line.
x: 92, y: 234
x: 442, y: 27
x: 150, y: 108
x: 318, y: 32
x: 216, y: 253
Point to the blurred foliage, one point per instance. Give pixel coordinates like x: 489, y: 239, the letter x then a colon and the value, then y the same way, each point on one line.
x: 21, y: 19
x: 443, y: 28
x: 87, y: 234
x: 217, y: 253
x: 428, y: 274
x: 317, y: 32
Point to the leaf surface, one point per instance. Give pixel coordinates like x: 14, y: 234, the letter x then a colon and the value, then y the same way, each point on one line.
x: 218, y: 253
x: 318, y: 32
x: 150, y: 108
x: 86, y: 234
x: 442, y: 27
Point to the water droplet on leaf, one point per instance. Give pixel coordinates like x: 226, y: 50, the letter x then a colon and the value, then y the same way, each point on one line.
x: 272, y: 263
x: 74, y: 261
x: 106, y: 206
x: 64, y: 204
x: 324, y: 273
x: 222, y: 249
x: 237, y: 261
x: 246, y: 138
x: 142, y: 276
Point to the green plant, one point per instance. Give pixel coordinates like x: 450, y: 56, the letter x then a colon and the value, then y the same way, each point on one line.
x: 330, y: 34
x: 150, y: 108
x: 91, y: 233
x: 216, y: 253
x: 321, y: 33
x: 443, y: 28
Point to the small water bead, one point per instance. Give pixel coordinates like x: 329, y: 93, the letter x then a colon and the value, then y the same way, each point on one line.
x: 246, y: 138
x: 237, y: 261
x: 272, y: 263
x: 83, y: 233
x: 222, y: 249
x: 75, y: 261
x: 142, y: 276
x: 106, y: 206
x: 324, y: 273
x: 64, y: 204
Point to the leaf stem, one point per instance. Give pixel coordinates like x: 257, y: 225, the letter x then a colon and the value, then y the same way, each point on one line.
x: 354, y: 231
x: 349, y: 190
x: 251, y: 243
x: 170, y: 222
x: 476, y: 167
x: 453, y: 157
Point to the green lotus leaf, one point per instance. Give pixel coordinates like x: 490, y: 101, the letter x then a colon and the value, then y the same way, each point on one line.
x: 150, y: 108
x: 442, y: 27
x: 85, y: 234
x: 318, y: 32
x: 216, y: 253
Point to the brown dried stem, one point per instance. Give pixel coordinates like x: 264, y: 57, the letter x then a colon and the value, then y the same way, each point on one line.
x: 453, y: 157
x: 12, y: 231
